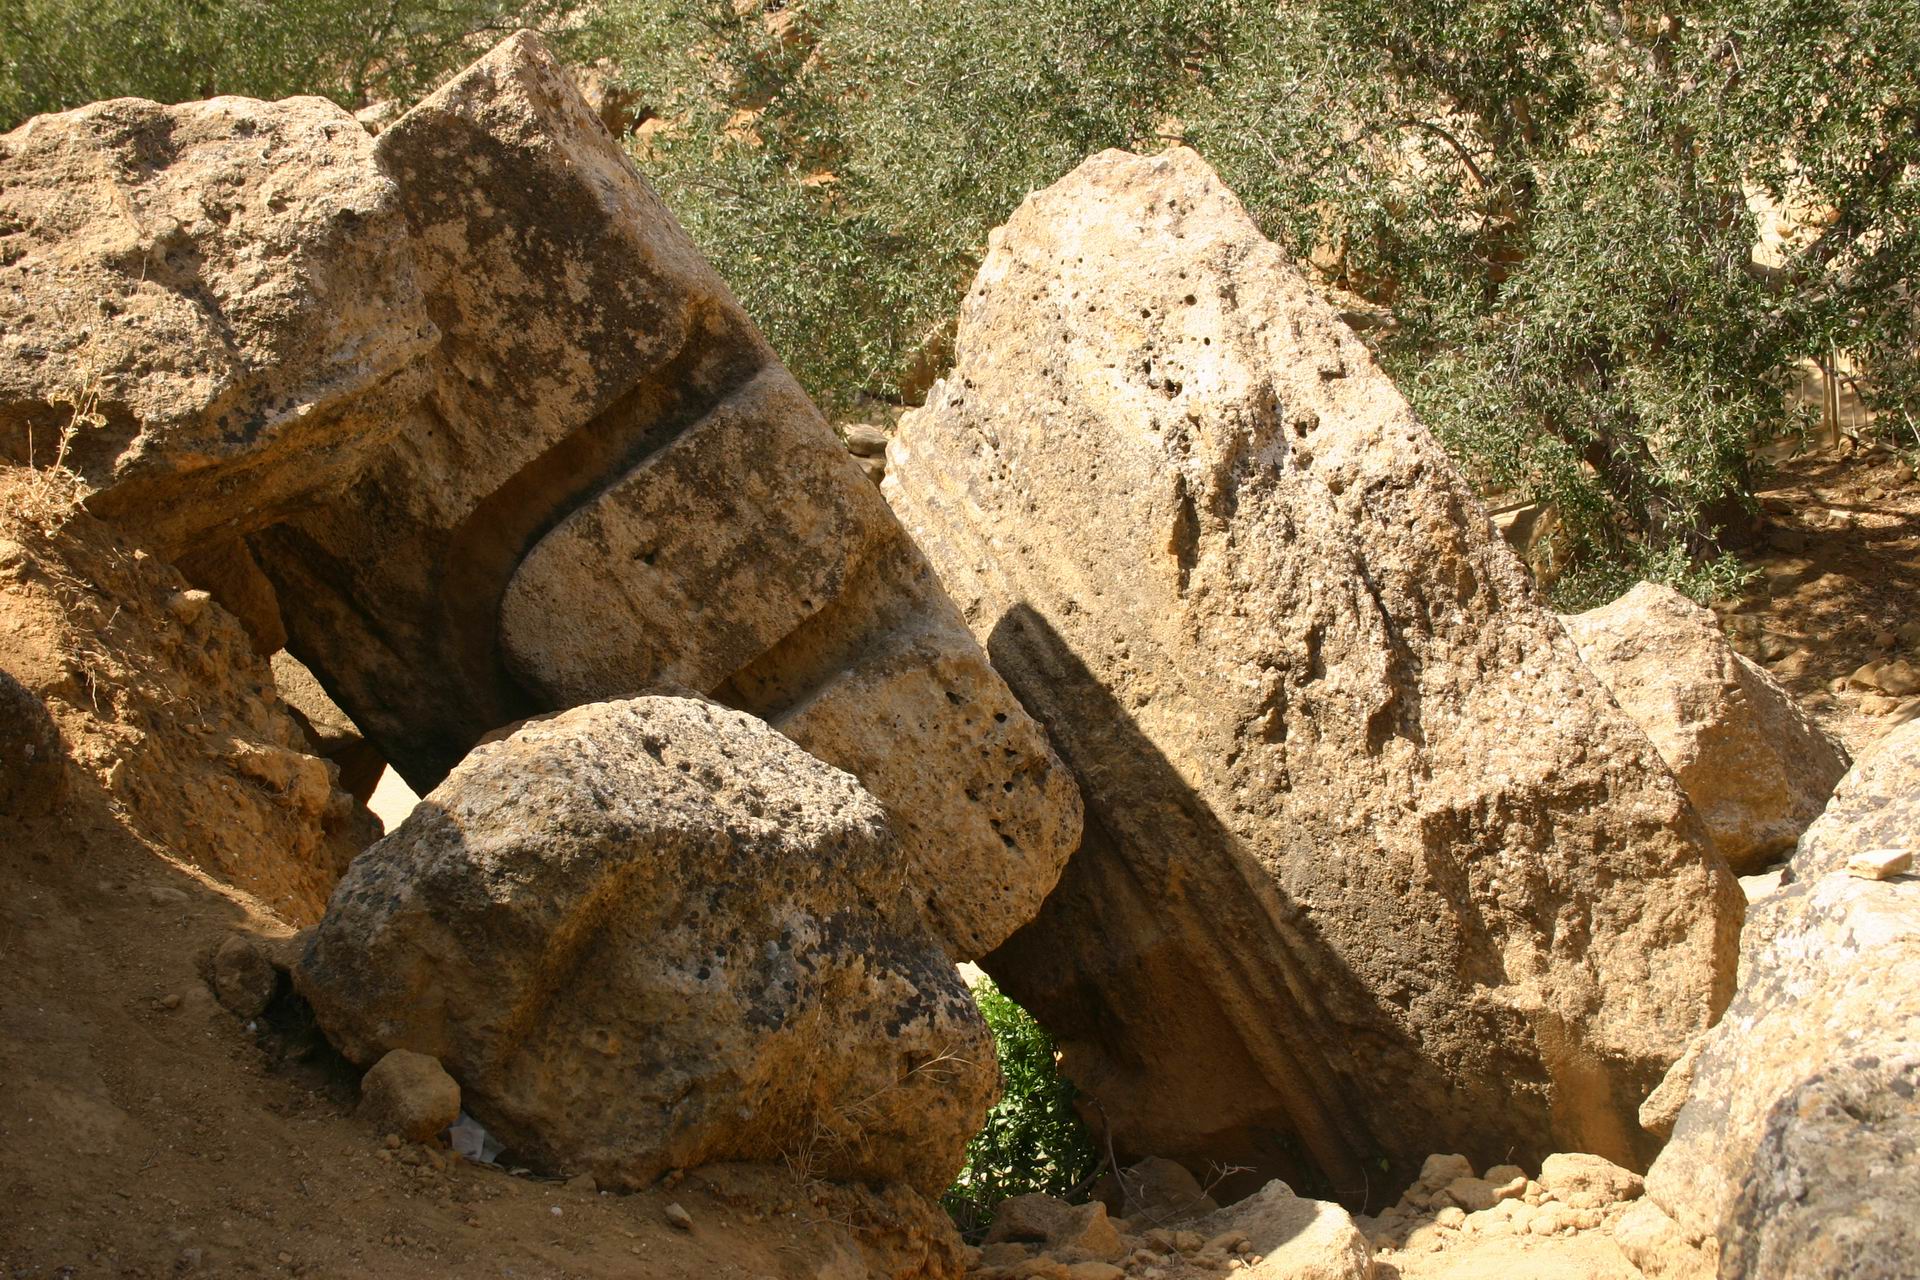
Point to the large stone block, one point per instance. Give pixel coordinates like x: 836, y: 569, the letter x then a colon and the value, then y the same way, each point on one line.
x: 612, y: 487
x: 217, y: 298
x: 654, y: 934
x: 1754, y: 764
x: 1373, y: 866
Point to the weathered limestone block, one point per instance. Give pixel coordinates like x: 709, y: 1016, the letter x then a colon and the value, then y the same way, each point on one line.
x: 218, y: 297
x: 1372, y: 864
x: 409, y: 1094
x: 1795, y: 1155
x: 1754, y: 764
x: 653, y: 934
x: 614, y: 487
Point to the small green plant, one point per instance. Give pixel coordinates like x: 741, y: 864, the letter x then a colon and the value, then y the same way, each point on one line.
x: 1033, y: 1139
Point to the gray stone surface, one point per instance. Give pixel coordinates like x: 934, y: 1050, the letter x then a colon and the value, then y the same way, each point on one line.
x: 654, y: 934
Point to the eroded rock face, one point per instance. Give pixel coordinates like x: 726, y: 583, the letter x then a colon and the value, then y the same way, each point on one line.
x: 160, y: 700
x: 1293, y: 1238
x: 1754, y: 764
x: 613, y: 487
x: 1795, y: 1155
x: 653, y: 934
x: 333, y: 735
x: 219, y: 297
x: 1372, y: 863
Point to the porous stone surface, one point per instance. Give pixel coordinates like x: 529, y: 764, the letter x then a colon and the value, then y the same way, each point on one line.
x: 651, y: 934
x: 667, y: 513
x: 169, y: 714
x: 409, y: 1094
x: 217, y: 297
x: 1754, y: 764
x: 1583, y: 1181
x: 1795, y: 1153
x: 1293, y: 1238
x: 1372, y: 863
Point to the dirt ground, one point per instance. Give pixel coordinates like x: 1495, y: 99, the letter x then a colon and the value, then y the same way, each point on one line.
x: 147, y: 1132
x: 1840, y: 578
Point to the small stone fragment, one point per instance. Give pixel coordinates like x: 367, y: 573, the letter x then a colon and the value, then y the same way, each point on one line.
x: 188, y: 607
x: 1004, y: 1253
x: 244, y: 979
x: 1436, y: 1171
x: 1157, y: 1190
x: 411, y: 1094
x: 678, y: 1217
x: 1473, y: 1194
x: 1547, y: 1220
x: 1094, y: 1271
x: 1899, y: 678
x: 1880, y: 864
x: 1587, y: 1181
x: 1290, y: 1238
x: 864, y: 441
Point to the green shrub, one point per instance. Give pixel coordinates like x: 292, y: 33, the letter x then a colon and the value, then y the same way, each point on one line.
x: 58, y: 54
x: 1553, y: 199
x: 1033, y: 1140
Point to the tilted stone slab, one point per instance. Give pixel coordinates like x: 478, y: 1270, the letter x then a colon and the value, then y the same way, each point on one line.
x: 613, y: 487
x: 1373, y: 866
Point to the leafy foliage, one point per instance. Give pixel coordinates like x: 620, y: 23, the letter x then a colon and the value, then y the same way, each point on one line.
x: 1559, y: 202
x: 57, y: 54
x: 1033, y: 1141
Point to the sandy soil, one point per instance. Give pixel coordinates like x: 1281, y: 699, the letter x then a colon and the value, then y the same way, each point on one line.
x: 1840, y: 576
